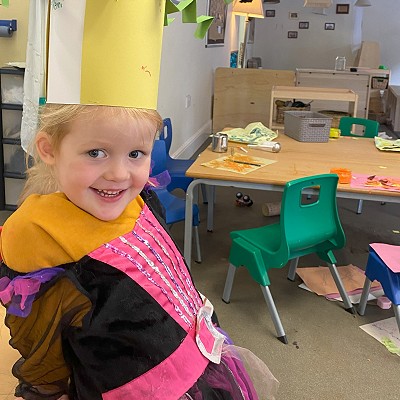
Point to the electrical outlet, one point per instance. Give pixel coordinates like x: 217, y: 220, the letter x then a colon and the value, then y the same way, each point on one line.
x: 188, y: 101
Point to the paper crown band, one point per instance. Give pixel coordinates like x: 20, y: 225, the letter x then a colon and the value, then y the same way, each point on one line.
x: 108, y: 51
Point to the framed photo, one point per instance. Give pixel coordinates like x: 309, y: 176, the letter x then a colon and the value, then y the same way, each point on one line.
x: 270, y: 13
x: 342, y: 8
x: 293, y: 15
x: 304, y: 25
x: 329, y: 26
x: 216, y: 33
x: 292, y: 34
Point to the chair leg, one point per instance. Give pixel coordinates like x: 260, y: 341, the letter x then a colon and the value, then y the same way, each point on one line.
x: 197, y: 241
x: 364, y: 296
x: 359, y: 208
x: 226, y: 296
x: 396, y: 309
x: 336, y: 277
x: 292, y: 268
x: 274, y: 314
x: 210, y: 207
x: 204, y: 193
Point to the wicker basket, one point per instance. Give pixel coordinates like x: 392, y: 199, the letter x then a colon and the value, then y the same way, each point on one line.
x: 335, y: 115
x: 307, y: 126
x: 280, y: 112
x: 379, y: 83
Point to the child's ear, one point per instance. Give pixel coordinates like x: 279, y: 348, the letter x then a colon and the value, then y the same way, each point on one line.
x: 45, y: 148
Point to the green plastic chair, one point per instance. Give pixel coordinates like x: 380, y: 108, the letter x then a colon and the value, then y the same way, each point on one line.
x: 303, y: 229
x: 371, y: 129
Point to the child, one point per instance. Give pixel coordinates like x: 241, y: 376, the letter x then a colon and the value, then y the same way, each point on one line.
x: 99, y: 301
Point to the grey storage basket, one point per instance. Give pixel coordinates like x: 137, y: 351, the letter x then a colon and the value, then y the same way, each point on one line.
x: 307, y: 126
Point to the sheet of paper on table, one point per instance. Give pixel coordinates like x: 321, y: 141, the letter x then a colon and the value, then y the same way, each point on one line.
x: 375, y: 182
x: 241, y: 164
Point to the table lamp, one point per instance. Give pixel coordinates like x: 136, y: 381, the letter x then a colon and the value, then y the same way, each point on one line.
x: 248, y: 9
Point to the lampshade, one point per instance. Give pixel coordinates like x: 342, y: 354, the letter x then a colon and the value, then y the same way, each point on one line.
x: 362, y: 3
x: 248, y: 8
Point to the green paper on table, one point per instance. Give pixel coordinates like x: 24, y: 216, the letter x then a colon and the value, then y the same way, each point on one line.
x: 386, y: 144
x: 254, y: 133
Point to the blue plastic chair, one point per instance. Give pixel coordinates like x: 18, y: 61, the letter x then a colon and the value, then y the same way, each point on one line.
x: 303, y: 229
x: 176, y: 167
x: 174, y: 205
x: 377, y: 270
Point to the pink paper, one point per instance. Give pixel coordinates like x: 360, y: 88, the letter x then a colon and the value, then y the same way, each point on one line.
x: 390, y: 184
x: 389, y: 254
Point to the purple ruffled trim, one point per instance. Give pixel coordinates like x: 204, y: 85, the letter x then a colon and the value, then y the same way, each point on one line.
x: 160, y: 181
x: 18, y: 294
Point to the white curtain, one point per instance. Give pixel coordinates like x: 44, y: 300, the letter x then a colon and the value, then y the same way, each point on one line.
x: 34, y: 81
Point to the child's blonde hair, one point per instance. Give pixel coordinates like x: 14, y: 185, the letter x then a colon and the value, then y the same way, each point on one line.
x: 55, y: 120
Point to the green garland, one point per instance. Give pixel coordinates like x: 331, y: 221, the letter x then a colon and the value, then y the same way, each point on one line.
x: 188, y: 8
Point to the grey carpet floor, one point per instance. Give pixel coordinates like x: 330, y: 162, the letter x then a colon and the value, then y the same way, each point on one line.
x: 328, y: 355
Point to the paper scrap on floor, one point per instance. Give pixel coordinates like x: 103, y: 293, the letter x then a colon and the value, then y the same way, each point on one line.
x: 242, y: 164
x: 320, y: 281
x: 386, y: 332
x: 254, y: 133
x: 375, y: 182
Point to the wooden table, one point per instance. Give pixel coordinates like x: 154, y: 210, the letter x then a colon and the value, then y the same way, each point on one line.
x: 296, y: 160
x: 311, y: 93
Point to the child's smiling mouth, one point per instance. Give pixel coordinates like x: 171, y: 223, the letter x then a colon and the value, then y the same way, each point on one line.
x: 108, y: 193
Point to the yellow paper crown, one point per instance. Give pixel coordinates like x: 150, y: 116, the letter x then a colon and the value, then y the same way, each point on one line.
x: 108, y: 51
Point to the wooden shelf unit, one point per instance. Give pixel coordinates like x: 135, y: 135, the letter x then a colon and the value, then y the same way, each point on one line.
x: 360, y: 81
x: 310, y: 93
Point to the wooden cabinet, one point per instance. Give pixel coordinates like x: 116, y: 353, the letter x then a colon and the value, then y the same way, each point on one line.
x: 362, y: 82
x: 393, y: 108
x: 12, y: 156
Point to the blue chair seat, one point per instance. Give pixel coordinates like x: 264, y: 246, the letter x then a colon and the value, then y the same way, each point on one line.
x: 377, y: 270
x: 174, y: 206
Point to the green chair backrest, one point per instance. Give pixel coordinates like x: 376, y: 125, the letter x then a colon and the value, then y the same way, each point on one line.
x: 313, y: 227
x: 346, y: 125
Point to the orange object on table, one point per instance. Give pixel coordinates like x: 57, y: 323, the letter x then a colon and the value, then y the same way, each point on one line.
x: 343, y: 173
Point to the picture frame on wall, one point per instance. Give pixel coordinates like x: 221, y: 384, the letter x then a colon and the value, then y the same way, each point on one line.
x: 304, y: 25
x: 293, y: 15
x: 270, y: 13
x: 292, y: 34
x: 342, y: 8
x: 329, y: 26
x: 216, y: 33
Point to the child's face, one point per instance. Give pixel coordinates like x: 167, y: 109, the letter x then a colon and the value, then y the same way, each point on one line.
x: 103, y: 163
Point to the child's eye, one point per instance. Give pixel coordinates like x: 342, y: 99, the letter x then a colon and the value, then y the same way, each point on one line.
x: 96, y: 153
x: 135, y: 154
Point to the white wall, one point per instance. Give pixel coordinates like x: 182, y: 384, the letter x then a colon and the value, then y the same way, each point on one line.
x: 187, y: 69
x: 314, y: 48
x: 381, y: 23
x: 317, y: 48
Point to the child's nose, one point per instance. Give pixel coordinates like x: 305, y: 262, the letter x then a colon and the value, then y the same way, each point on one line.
x: 117, y: 171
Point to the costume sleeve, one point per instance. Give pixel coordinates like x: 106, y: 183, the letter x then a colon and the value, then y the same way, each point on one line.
x: 42, y: 371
